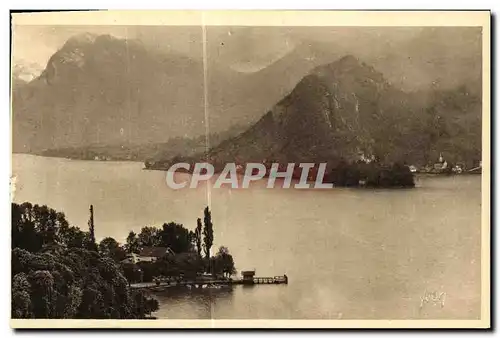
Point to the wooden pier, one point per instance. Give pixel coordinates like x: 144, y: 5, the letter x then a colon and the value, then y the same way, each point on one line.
x: 271, y: 280
x: 248, y: 279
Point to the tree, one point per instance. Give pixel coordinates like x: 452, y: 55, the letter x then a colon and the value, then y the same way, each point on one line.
x: 402, y: 176
x: 143, y: 304
x: 197, y: 236
x: 208, y: 233
x: 42, y: 293
x: 78, y: 284
x: 60, y: 278
x: 176, y: 237
x: 92, y: 243
x: 34, y: 226
x: 132, y: 245
x: 21, y: 299
x: 73, y: 237
x: 223, y: 263
x: 188, y: 264
x: 46, y: 225
x: 111, y: 248
x: 131, y: 272
x: 149, y: 236
x: 24, y: 232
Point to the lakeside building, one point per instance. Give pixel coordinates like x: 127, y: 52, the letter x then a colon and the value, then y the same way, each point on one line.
x: 413, y: 168
x: 439, y: 167
x: 148, y: 254
x: 248, y: 276
x: 441, y: 164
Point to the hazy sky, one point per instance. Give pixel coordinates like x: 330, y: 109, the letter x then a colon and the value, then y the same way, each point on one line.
x: 410, y: 57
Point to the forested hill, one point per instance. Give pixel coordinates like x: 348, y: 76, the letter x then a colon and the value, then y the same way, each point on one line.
x: 345, y: 108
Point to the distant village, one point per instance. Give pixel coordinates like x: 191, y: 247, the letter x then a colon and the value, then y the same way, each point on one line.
x: 363, y: 170
x: 441, y: 166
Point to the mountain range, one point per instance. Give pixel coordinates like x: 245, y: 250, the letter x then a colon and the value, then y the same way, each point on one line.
x: 101, y: 91
x: 149, y: 152
x: 347, y: 109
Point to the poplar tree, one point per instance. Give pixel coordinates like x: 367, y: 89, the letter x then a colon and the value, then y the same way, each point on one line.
x: 197, y: 236
x: 208, y: 233
x: 92, y: 244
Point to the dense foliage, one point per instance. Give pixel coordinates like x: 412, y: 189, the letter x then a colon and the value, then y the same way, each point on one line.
x: 34, y: 227
x: 191, y: 252
x: 172, y: 235
x: 222, y: 263
x: 187, y: 265
x: 58, y: 271
x: 370, y: 175
x: 55, y: 275
x: 73, y: 283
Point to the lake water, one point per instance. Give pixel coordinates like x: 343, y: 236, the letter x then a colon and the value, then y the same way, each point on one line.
x: 348, y: 253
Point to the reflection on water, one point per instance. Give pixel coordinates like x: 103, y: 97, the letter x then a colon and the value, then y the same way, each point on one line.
x: 191, y: 303
x: 348, y: 253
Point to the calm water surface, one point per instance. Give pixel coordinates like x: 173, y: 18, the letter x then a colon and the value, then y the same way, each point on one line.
x: 351, y: 254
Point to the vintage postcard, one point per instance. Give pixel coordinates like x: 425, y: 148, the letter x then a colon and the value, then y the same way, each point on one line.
x: 270, y: 169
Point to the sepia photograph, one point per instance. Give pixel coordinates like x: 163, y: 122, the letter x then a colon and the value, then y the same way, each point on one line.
x: 250, y: 169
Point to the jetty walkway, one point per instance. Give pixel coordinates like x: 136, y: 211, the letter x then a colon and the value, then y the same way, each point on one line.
x: 203, y: 283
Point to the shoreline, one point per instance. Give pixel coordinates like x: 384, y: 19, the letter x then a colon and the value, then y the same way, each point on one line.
x: 79, y: 159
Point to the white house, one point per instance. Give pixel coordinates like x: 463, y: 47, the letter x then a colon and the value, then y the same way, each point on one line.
x: 148, y: 254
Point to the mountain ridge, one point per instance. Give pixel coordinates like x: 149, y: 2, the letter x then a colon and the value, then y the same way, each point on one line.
x: 98, y: 89
x: 346, y: 108
x: 107, y: 90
